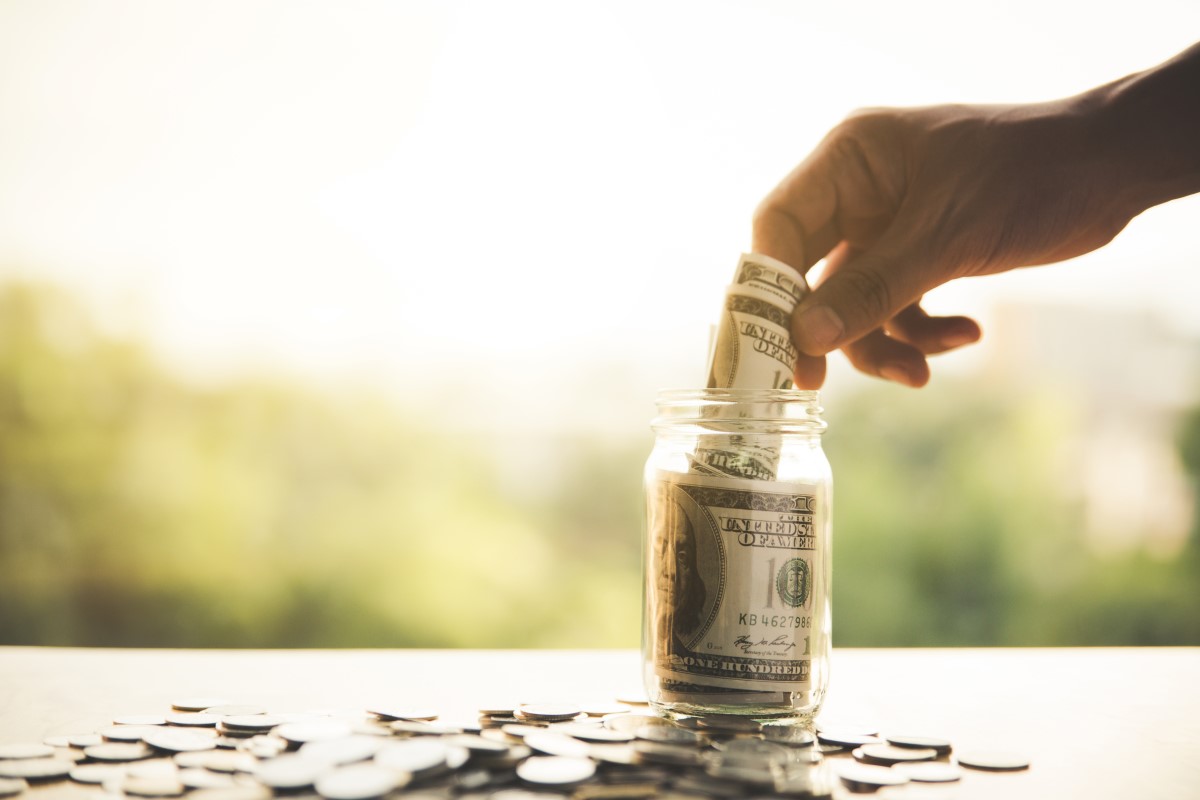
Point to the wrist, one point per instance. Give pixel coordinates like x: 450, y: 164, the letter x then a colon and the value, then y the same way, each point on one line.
x: 1146, y: 132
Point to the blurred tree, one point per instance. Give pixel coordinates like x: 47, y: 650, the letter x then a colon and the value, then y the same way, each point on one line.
x: 136, y: 509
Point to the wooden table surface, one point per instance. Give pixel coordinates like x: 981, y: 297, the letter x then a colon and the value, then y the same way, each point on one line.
x: 1096, y: 723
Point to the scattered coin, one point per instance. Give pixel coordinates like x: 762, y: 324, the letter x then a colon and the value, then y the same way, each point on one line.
x: 198, y: 703
x: 942, y: 746
x: 250, y: 722
x: 993, y: 762
x: 85, y: 740
x: 602, y: 708
x: 549, y: 712
x: 119, y: 751
x: 358, y: 782
x: 225, y: 761
x: 417, y: 728
x: 158, y: 786
x: 315, y: 731
x: 863, y: 777
x: 175, y: 740
x: 667, y: 734
x: 25, y: 750
x: 290, y: 772
x: 57, y: 741
x: 886, y: 754
x: 791, y: 735
x: 414, y: 756
x: 36, y: 769
x: 591, y: 732
x: 556, y: 744
x: 412, y: 714
x: 847, y: 739
x: 235, y: 710
x: 556, y: 770
x: 12, y: 786
x: 930, y: 771
x: 140, y: 719
x: 629, y: 723
x: 190, y: 720
x: 232, y: 793
x: 196, y: 778
x: 346, y: 750
x: 96, y: 773
x: 127, y: 733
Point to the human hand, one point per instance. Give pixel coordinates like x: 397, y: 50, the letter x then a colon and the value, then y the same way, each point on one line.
x: 899, y: 201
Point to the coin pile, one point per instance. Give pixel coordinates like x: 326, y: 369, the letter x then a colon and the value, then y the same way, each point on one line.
x: 534, y: 751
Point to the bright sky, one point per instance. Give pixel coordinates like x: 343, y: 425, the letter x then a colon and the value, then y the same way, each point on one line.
x: 441, y: 191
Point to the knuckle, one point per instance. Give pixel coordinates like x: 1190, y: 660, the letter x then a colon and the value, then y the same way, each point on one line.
x: 867, y: 293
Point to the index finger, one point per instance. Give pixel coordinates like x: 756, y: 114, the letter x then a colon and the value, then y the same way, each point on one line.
x: 795, y: 222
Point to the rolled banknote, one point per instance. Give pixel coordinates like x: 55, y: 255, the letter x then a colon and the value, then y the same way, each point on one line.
x: 753, y: 343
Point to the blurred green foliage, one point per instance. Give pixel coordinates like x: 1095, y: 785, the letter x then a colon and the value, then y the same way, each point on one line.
x: 137, y: 509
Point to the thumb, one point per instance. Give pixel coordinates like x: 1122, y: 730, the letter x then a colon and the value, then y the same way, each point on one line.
x: 855, y: 298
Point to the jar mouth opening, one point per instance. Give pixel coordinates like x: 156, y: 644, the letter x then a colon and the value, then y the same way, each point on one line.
x: 672, y: 396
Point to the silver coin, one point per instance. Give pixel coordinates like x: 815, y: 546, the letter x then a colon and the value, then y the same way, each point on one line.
x: 633, y: 697
x: 12, y: 786
x: 196, y: 778
x: 36, y: 769
x: 190, y: 720
x: 667, y: 734
x: 613, y: 753
x: 753, y: 749
x: 730, y: 722
x: 886, y: 754
x: 602, y: 708
x: 864, y: 777
x: 198, y: 703
x: 152, y: 786
x: 57, y: 741
x: 520, y: 730
x: 232, y: 793
x: 23, y: 750
x: 477, y: 745
x: 556, y: 744
x: 82, y: 740
x: 549, y: 712
x: 119, y: 751
x: 417, y: 728
x: 942, y: 746
x: 157, y: 768
x: 414, y: 756
x: 591, y: 732
x: 313, y: 731
x: 340, y: 752
x: 225, y: 761
x: 555, y: 770
x: 250, y: 722
x: 290, y: 772
x: 96, y: 773
x: 629, y: 723
x: 140, y: 719
x: 930, y: 772
x: 175, y: 740
x: 235, y: 710
x: 498, y: 710
x: 847, y: 739
x: 127, y: 733
x: 791, y: 735
x: 993, y: 761
x: 659, y: 753
x: 262, y: 746
x: 412, y: 714
x: 358, y: 782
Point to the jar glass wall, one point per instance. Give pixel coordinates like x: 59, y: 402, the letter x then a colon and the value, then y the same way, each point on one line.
x: 736, y: 614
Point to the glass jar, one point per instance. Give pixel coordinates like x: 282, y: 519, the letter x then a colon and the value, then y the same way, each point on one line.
x: 736, y: 556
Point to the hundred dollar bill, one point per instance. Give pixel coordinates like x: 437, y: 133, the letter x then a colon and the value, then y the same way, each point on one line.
x: 753, y: 347
x: 734, y: 571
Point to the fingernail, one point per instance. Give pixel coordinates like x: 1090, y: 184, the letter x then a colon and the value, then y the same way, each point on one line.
x: 818, y: 328
x: 896, y: 373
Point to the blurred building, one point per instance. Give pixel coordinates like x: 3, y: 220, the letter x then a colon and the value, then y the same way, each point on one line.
x: 1125, y: 380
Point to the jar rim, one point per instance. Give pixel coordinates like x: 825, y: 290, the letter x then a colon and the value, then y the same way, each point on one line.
x: 672, y: 396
